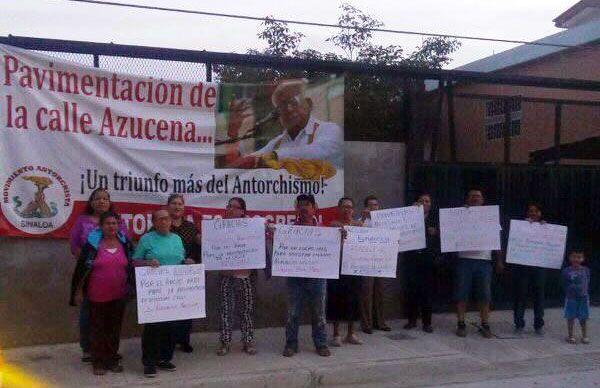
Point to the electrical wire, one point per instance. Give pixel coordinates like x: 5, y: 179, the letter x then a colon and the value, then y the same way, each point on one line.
x: 316, y: 24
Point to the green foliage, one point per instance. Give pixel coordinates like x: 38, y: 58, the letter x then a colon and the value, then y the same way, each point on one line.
x: 373, y: 103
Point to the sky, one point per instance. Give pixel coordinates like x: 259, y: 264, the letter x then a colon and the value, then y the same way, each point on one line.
x: 62, y: 19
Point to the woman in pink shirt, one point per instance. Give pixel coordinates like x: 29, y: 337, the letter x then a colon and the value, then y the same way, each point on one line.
x: 103, y: 275
x: 98, y: 203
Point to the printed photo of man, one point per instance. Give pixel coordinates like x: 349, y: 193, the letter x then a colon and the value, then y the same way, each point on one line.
x: 304, y: 142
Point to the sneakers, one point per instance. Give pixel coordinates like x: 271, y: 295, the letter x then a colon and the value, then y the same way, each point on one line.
x: 428, y: 329
x: 150, y: 371
x: 485, y: 330
x: 117, y: 369
x: 323, y: 351
x: 540, y: 331
x: 167, y: 365
x: 461, y: 329
x: 585, y: 340
x: 289, y: 352
x: 367, y: 330
x: 336, y: 341
x: 571, y: 340
x: 409, y: 325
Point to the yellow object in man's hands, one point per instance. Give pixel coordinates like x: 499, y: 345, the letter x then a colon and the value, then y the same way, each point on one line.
x: 303, y: 168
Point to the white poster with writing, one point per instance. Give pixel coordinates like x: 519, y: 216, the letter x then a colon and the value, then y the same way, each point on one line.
x: 535, y: 244
x: 170, y: 293
x: 475, y: 228
x: 237, y: 243
x: 370, y: 252
x: 306, y: 252
x: 409, y: 221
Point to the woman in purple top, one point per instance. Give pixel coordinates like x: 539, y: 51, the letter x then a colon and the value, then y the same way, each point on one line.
x: 98, y: 203
x: 104, y: 275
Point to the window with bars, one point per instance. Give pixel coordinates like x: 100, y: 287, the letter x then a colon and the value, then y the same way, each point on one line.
x: 494, y: 118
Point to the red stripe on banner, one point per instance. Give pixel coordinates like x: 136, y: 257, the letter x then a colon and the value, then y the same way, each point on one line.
x: 137, y: 217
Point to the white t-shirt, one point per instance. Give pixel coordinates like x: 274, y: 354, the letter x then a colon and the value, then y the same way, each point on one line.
x: 327, y: 143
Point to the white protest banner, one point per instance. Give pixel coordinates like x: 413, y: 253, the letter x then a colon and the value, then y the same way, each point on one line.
x: 408, y: 221
x: 370, y: 252
x: 67, y: 129
x: 306, y: 252
x: 237, y: 243
x: 170, y: 293
x: 535, y: 244
x: 475, y: 228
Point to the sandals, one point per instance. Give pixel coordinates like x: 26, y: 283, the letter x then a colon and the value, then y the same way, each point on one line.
x: 353, y: 340
x: 336, y: 341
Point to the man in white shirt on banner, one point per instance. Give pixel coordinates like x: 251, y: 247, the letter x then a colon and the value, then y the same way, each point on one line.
x: 474, y: 270
x: 304, y: 137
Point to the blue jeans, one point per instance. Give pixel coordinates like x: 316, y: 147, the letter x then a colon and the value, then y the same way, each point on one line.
x: 315, y: 292
x: 84, y: 325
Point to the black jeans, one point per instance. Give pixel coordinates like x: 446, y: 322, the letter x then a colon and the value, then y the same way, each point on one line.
x: 158, y: 342
x: 524, y: 277
x: 183, y: 330
x: 419, y: 286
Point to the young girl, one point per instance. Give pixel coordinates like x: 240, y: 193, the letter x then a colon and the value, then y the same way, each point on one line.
x: 525, y: 276
x: 575, y: 280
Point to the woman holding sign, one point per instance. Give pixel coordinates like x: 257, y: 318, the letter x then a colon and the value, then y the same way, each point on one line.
x: 189, y: 236
x: 242, y: 280
x: 103, y: 276
x: 420, y: 271
x: 155, y: 248
x: 343, y: 294
x: 522, y: 276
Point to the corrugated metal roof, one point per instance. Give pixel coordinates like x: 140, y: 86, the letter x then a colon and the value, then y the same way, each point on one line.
x: 576, y: 36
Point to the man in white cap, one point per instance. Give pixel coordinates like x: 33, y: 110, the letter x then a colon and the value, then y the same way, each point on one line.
x: 303, y: 137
